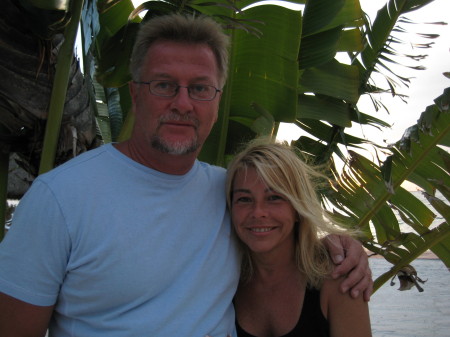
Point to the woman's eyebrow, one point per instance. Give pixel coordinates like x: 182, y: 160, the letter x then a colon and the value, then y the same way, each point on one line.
x: 241, y: 190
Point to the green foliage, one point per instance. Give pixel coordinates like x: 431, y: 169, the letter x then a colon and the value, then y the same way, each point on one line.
x: 328, y: 89
x: 368, y: 194
x: 59, y: 90
x: 380, y: 47
x: 263, y: 72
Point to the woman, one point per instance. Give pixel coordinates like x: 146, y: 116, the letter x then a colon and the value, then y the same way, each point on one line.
x: 285, y: 289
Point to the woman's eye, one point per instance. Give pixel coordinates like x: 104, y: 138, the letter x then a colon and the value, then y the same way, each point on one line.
x: 242, y: 199
x: 275, y: 197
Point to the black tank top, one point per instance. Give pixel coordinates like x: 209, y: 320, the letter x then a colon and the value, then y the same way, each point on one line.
x: 311, y: 323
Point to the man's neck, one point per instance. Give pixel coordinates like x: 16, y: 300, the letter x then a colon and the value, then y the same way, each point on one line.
x: 157, y: 160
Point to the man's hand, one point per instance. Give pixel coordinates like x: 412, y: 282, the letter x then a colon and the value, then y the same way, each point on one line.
x: 350, y: 261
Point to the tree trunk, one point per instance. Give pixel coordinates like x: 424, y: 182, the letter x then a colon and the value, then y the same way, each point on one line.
x: 27, y: 67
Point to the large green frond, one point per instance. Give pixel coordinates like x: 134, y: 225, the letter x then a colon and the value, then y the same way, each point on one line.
x: 263, y: 76
x: 371, y: 195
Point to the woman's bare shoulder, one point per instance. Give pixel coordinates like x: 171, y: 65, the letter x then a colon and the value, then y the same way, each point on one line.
x: 329, y: 293
x: 344, y: 312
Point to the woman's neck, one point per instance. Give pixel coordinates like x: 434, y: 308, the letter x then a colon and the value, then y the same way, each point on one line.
x: 271, y: 268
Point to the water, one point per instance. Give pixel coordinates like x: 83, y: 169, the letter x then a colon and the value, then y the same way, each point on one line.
x: 412, y: 313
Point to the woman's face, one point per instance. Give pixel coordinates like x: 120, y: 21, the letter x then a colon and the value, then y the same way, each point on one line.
x: 263, y: 219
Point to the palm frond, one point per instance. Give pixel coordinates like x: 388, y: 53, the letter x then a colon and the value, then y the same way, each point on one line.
x: 370, y: 197
x: 382, y: 40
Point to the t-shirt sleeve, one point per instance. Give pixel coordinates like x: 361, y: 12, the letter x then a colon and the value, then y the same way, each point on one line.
x: 35, y: 251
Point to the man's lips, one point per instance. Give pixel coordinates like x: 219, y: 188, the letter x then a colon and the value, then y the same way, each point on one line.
x: 179, y: 124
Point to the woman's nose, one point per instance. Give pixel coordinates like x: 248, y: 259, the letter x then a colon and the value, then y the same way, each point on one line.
x: 259, y: 210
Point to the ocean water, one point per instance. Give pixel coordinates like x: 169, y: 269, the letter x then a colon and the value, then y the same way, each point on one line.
x: 411, y: 313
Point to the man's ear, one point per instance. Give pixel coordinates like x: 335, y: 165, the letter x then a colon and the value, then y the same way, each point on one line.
x: 133, y: 87
x: 218, y: 106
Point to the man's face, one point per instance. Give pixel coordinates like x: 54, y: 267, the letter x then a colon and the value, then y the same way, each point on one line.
x: 175, y: 125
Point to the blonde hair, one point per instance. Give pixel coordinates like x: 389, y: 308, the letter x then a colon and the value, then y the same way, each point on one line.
x: 182, y: 29
x: 281, y: 168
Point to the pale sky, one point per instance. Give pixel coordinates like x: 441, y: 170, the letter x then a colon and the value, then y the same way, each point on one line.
x: 424, y: 88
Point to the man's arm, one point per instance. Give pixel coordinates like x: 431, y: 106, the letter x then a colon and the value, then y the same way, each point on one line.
x: 21, y: 319
x: 352, y: 262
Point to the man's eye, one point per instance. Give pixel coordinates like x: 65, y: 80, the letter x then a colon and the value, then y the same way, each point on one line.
x: 199, y: 88
x: 163, y: 85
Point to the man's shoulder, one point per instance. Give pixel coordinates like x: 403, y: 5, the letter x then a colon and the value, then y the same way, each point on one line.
x: 86, y: 161
x: 214, y: 171
x: 213, y: 168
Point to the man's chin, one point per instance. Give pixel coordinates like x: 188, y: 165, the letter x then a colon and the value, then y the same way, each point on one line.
x: 175, y: 147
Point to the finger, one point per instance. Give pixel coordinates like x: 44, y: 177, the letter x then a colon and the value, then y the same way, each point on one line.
x: 358, y: 272
x: 358, y: 282
x: 364, y: 287
x: 355, y: 265
x: 346, y: 267
x: 368, y: 292
x: 335, y: 248
x: 356, y: 258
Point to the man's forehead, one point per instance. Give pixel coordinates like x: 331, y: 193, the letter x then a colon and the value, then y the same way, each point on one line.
x: 166, y: 60
x: 169, y: 77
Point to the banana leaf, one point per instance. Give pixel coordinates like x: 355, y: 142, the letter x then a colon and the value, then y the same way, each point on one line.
x: 371, y: 197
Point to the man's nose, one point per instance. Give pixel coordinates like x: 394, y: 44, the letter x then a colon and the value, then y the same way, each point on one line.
x: 182, y: 102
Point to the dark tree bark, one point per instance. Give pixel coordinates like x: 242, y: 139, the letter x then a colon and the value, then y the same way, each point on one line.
x: 28, y: 57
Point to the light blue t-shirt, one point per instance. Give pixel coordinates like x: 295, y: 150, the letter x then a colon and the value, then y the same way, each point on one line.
x: 124, y: 250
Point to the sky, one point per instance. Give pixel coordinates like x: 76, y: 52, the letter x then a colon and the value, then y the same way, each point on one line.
x: 425, y: 85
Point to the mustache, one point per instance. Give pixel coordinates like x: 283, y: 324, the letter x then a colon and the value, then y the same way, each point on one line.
x: 173, y: 116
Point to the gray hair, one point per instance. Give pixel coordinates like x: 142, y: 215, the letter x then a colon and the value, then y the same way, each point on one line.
x: 183, y: 29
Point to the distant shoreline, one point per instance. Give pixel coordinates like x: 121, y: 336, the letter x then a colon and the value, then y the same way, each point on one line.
x: 428, y: 255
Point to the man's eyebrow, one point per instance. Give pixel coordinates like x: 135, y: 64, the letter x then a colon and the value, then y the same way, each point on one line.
x: 162, y: 75
x: 166, y: 76
x: 203, y: 78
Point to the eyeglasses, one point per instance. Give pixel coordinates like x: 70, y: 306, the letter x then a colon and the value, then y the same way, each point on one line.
x: 199, y: 92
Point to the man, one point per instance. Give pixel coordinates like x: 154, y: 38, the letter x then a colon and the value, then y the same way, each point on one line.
x: 133, y: 239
